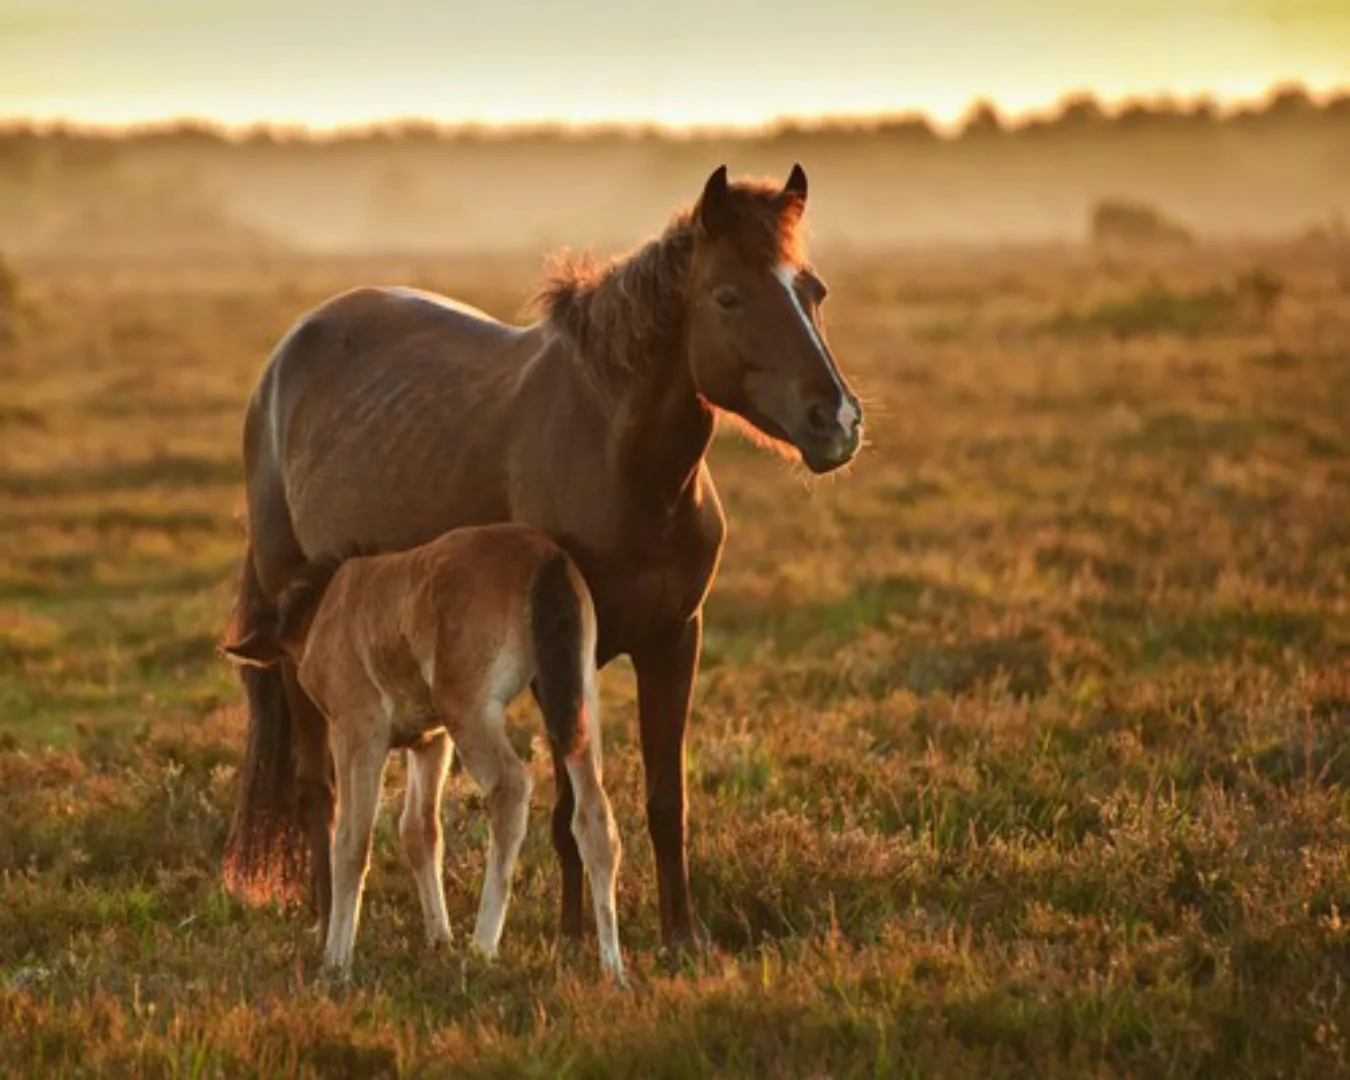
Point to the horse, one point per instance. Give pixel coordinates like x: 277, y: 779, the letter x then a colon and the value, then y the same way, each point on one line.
x: 387, y: 416
x: 424, y: 649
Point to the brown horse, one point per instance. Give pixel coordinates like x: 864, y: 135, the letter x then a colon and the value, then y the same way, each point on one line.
x: 386, y: 417
x: 427, y: 647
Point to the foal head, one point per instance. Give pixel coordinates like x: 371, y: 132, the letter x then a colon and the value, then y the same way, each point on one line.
x: 757, y: 344
x: 270, y: 641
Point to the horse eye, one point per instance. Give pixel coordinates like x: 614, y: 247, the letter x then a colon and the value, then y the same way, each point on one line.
x: 728, y: 299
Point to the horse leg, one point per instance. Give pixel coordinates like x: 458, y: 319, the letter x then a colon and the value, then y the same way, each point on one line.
x: 313, y: 791
x: 597, y: 836
x: 359, y: 763
x: 420, y: 827
x: 665, y: 674
x: 506, y: 789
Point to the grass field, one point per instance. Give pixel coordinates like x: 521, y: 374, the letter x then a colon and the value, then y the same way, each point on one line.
x: 1021, y: 748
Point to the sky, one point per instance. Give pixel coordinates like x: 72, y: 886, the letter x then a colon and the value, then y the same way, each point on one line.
x: 682, y: 63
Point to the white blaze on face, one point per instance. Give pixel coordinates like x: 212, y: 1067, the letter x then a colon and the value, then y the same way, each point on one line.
x: 786, y: 274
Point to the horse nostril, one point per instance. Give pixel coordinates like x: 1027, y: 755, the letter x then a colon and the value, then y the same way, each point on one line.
x: 818, y: 419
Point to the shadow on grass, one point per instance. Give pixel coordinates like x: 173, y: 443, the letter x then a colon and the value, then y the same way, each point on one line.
x: 1139, y: 633
x: 1165, y: 432
x: 1156, y: 309
x: 171, y: 470
x: 112, y: 520
x: 736, y: 624
x: 75, y: 585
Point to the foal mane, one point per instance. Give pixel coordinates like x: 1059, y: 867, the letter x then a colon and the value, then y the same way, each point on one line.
x: 619, y: 312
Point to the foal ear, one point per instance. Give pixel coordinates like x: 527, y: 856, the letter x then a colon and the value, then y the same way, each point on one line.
x: 255, y: 650
x: 792, y: 198
x: 713, y: 208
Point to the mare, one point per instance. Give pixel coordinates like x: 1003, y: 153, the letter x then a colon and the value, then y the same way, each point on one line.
x: 387, y: 416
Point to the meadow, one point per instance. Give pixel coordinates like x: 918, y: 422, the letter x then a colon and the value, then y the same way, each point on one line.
x: 1020, y: 748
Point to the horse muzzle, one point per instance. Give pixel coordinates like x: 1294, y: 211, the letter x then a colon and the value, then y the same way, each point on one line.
x: 830, y: 437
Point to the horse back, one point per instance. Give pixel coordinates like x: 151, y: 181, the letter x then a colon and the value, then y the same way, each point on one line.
x: 373, y: 423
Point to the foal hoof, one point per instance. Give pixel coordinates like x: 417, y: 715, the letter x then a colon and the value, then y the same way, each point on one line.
x: 485, y: 953
x: 440, y: 942
x: 333, y: 978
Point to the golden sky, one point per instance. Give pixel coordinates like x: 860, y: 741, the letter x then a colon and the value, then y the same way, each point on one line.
x: 681, y: 62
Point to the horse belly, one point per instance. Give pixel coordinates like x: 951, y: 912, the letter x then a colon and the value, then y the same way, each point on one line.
x: 391, y: 510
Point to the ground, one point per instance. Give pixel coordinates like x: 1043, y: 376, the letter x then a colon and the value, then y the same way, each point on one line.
x: 1020, y: 747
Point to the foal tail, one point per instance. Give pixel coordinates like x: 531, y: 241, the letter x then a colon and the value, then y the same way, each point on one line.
x: 561, y: 653
x: 265, y: 855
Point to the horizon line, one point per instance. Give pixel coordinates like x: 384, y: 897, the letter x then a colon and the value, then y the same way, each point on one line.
x: 1224, y: 106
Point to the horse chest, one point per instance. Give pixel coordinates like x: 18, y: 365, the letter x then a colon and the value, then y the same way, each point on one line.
x: 650, y: 588
x: 632, y: 607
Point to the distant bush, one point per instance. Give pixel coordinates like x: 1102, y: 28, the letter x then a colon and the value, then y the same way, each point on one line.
x: 982, y: 119
x: 1333, y: 231
x: 9, y: 285
x: 1134, y: 226
x: 10, y: 290
x: 1261, y: 291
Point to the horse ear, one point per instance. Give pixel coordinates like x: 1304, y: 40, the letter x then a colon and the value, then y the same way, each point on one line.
x: 255, y: 650
x: 792, y: 199
x: 713, y: 209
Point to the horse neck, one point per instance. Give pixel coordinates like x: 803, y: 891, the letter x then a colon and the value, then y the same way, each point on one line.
x: 662, y: 426
x: 627, y: 329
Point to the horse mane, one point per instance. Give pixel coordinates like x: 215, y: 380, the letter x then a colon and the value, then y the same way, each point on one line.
x: 296, y: 603
x: 617, y: 312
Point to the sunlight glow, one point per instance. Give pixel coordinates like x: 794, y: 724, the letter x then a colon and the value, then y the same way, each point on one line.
x: 716, y: 63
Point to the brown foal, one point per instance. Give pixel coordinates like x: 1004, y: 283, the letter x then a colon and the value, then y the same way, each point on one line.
x: 424, y: 649
x: 386, y: 417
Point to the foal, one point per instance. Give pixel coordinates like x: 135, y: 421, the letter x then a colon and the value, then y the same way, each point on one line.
x: 418, y: 648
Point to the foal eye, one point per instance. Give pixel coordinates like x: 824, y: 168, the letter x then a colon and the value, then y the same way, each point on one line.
x: 728, y: 299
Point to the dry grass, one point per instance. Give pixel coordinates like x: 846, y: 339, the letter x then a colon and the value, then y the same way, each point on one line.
x: 1021, y: 748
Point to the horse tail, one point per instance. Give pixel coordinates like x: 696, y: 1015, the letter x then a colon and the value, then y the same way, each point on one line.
x: 558, y: 629
x: 266, y: 853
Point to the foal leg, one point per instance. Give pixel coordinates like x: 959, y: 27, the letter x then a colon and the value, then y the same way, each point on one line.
x: 359, y: 766
x: 506, y: 788
x: 420, y: 827
x: 598, y: 838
